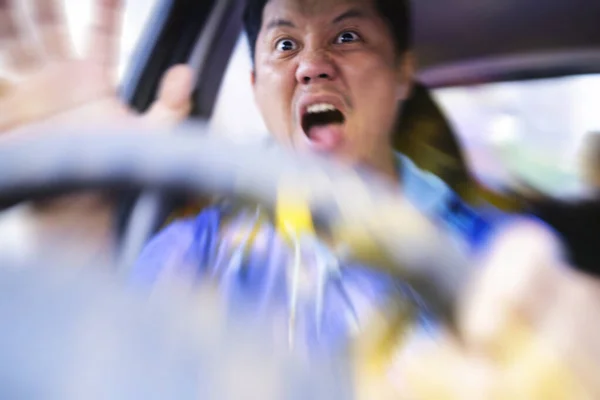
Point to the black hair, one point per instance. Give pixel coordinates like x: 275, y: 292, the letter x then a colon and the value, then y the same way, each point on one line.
x: 396, y: 13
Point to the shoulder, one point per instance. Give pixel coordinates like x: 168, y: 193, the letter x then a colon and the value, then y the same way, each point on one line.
x: 433, y: 197
x: 424, y: 189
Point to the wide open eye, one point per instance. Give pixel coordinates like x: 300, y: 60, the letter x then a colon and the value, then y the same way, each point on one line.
x: 286, y: 45
x: 347, y: 37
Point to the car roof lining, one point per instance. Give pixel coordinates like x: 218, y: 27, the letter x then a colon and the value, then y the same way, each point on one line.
x: 534, y: 65
x: 462, y: 34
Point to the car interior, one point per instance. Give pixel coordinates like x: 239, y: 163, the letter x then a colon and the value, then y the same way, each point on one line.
x: 523, y: 55
x: 516, y: 44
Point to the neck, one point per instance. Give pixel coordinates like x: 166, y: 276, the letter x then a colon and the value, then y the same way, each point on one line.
x: 386, y: 164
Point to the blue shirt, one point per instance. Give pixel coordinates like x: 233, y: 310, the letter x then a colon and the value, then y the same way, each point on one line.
x: 304, y: 293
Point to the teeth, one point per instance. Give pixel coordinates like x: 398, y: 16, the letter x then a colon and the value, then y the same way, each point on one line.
x: 320, y: 107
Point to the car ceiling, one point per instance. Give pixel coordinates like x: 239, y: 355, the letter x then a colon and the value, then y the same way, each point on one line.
x: 453, y: 38
x: 457, y: 42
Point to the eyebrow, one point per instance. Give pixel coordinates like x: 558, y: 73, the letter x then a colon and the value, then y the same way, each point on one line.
x: 352, y: 13
x: 277, y: 23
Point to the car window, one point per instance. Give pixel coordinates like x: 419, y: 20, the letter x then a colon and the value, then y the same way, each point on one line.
x: 532, y: 129
x: 235, y: 113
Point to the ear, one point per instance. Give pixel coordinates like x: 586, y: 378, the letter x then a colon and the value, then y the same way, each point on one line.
x: 253, y: 78
x: 406, y: 73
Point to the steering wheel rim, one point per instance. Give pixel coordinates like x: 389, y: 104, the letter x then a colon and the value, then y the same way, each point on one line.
x: 190, y: 159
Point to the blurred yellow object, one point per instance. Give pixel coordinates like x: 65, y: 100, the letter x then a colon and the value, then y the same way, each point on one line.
x: 293, y: 217
x: 374, y: 350
x: 516, y: 363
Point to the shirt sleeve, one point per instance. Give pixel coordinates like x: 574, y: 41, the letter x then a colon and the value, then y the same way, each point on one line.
x: 183, y: 247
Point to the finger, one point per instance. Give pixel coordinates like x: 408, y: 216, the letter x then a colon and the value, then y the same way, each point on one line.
x: 49, y: 18
x: 520, y: 281
x: 174, y: 102
x: 43, y: 96
x: 18, y: 49
x: 8, y: 27
x: 104, y: 33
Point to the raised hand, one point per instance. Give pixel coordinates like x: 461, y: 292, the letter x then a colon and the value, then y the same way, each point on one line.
x: 44, y: 84
x: 42, y: 81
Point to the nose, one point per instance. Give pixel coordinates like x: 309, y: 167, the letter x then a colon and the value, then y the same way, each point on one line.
x: 315, y: 66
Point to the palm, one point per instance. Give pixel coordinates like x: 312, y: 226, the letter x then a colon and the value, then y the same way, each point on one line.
x: 43, y: 81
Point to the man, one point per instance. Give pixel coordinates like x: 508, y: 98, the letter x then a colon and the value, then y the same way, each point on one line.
x: 328, y: 77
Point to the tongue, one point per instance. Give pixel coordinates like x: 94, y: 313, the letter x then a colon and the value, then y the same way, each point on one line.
x: 325, y: 137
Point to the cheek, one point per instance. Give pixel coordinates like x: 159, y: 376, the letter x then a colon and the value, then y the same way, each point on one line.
x: 274, y: 91
x: 375, y: 93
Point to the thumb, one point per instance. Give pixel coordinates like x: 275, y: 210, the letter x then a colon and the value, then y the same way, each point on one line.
x: 173, y: 103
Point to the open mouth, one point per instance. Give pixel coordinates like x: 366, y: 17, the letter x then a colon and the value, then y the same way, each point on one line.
x: 321, y: 115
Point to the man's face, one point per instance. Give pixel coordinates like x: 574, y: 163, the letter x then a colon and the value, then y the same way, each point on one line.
x: 328, y: 78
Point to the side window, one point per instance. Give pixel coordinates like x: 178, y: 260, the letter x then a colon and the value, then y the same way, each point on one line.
x: 235, y: 114
x: 532, y: 129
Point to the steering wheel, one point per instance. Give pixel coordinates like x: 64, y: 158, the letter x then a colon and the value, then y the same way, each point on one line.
x: 359, y: 206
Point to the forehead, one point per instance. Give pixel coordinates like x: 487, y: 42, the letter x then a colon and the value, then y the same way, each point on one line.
x: 316, y: 8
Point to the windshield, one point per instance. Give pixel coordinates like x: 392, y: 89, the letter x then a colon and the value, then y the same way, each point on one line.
x: 235, y: 97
